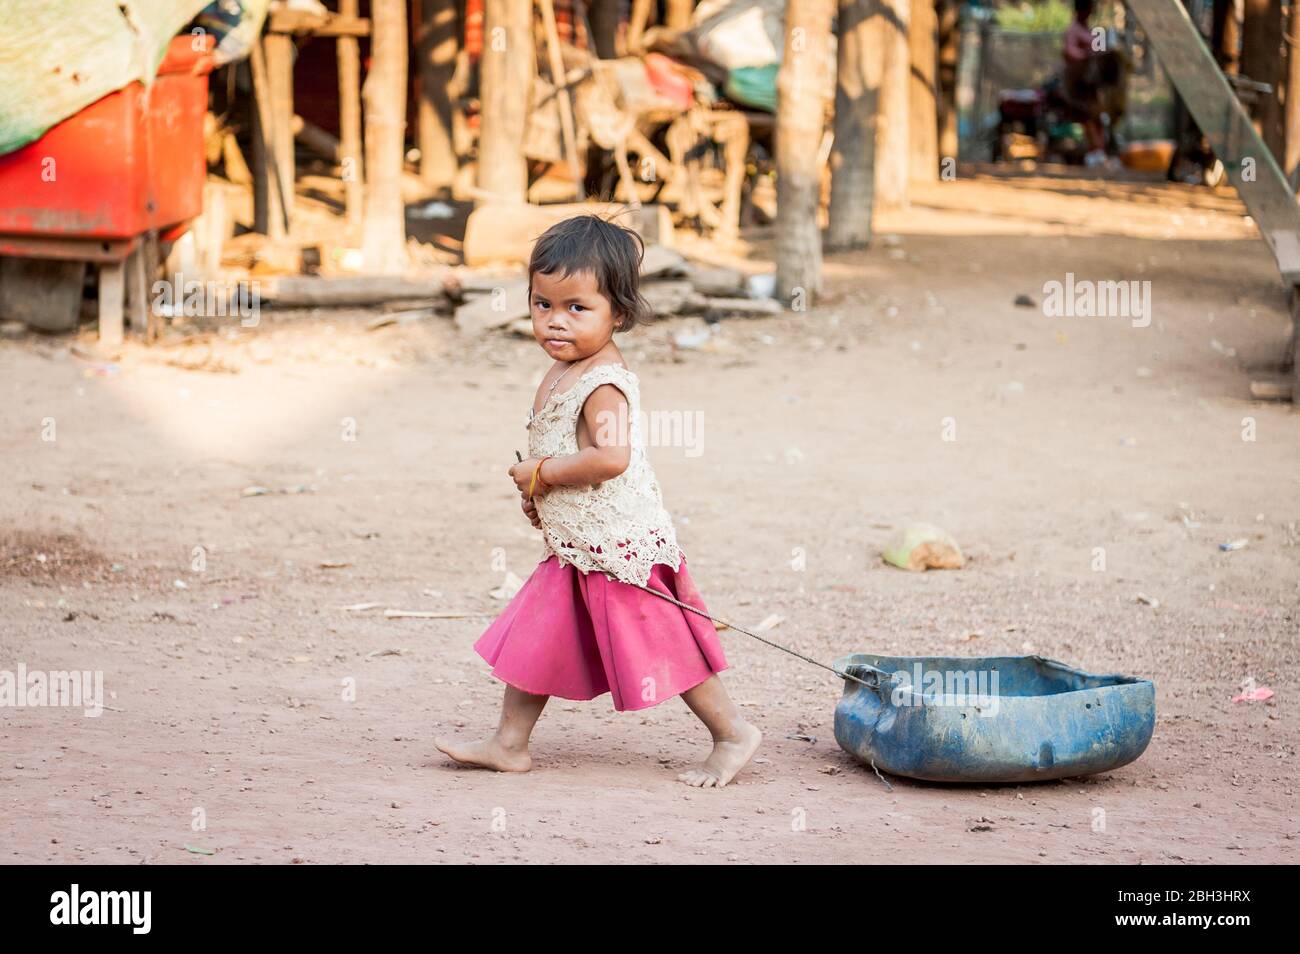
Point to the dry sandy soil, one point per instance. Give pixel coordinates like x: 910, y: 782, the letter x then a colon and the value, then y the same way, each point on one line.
x: 822, y: 431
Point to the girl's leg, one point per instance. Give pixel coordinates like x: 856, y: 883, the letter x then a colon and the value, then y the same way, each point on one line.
x: 734, y: 740
x: 507, y: 750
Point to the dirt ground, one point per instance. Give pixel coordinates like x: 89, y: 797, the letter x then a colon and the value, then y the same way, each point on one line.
x: 229, y: 732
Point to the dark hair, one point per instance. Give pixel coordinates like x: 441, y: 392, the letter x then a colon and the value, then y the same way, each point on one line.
x: 588, y: 243
x: 1083, y: 8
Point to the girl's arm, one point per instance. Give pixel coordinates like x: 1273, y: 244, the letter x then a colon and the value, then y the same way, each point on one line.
x: 606, y: 416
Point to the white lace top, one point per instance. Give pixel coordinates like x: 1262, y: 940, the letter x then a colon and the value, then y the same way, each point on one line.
x: 619, y: 526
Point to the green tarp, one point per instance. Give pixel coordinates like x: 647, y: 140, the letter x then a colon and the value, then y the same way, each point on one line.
x: 59, y: 56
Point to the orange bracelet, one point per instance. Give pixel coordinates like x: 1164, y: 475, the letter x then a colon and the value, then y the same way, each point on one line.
x: 532, y: 484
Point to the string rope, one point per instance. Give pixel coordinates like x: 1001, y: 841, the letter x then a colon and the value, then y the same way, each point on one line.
x: 784, y: 649
x: 741, y: 629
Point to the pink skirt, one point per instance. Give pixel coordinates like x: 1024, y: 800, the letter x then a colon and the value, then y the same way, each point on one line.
x: 578, y: 636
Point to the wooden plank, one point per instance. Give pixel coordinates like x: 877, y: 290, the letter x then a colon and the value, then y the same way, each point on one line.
x: 1286, y: 250
x: 344, y: 23
x: 1250, y: 165
x: 307, y: 292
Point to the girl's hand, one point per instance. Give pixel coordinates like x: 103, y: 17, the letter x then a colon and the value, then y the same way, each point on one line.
x: 530, y: 511
x: 522, y: 473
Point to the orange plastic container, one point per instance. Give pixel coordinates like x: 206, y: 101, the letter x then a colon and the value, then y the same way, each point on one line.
x: 127, y: 163
x: 1148, y: 155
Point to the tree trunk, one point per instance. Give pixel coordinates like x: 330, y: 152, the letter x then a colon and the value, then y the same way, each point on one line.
x: 893, y: 147
x: 800, y: 121
x: 949, y: 51
x: 1261, y: 60
x: 436, y: 43
x: 923, y: 120
x: 853, y: 155
x: 506, y: 74
x: 384, y: 94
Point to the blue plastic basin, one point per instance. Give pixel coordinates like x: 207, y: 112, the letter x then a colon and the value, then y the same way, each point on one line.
x: 990, y: 719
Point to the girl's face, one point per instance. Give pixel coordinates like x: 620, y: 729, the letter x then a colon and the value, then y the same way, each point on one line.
x: 571, y: 318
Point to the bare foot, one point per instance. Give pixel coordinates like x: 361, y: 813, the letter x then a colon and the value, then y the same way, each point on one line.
x: 726, y: 759
x: 487, y: 754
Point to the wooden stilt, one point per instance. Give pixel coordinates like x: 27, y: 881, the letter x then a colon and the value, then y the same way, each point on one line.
x: 893, y: 145
x: 562, y: 96
x: 350, y: 162
x: 383, y: 240
x: 151, y: 263
x: 137, y: 293
x: 269, y: 188
x: 279, y: 69
x: 857, y: 103
x: 111, y: 275
x: 800, y: 118
x: 637, y: 22
x: 506, y: 75
x: 436, y: 45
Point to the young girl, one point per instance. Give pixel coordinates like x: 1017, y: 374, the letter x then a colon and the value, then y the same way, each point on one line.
x: 581, y: 625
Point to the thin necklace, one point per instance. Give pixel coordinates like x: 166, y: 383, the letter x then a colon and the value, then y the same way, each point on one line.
x: 531, y: 413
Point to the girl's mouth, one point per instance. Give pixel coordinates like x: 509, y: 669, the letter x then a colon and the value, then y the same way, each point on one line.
x: 556, y: 342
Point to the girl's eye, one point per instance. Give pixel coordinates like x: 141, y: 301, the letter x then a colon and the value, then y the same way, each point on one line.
x: 577, y: 307
x: 539, y: 303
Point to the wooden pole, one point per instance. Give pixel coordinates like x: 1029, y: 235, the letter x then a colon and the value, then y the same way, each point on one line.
x: 923, y: 122
x: 949, y: 51
x: 506, y: 74
x: 677, y: 13
x: 351, y: 167
x: 603, y: 15
x: 893, y: 146
x: 384, y: 223
x: 279, y: 71
x: 1291, y: 163
x: 1261, y: 60
x: 800, y: 118
x: 138, y: 299
x: 436, y: 44
x: 111, y: 282
x: 1225, y: 35
x: 636, y: 24
x: 853, y: 154
x: 269, y: 186
x: 562, y: 96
